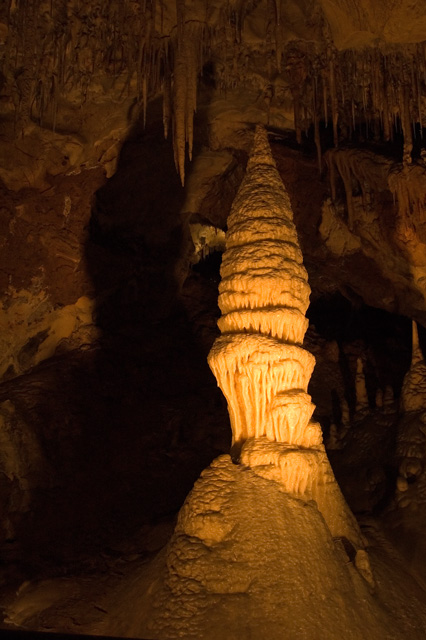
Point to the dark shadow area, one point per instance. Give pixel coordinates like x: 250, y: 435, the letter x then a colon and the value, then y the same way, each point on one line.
x: 125, y: 424
x: 35, y: 635
x: 384, y: 340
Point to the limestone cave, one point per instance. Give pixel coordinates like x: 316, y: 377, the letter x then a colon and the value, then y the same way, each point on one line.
x: 213, y: 319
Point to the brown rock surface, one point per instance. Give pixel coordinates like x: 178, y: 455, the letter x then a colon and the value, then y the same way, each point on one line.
x: 108, y: 411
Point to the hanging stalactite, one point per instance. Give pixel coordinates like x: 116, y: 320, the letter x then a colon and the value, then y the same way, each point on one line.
x: 148, y: 48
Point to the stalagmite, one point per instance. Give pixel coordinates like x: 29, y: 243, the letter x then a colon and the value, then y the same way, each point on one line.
x: 167, y: 109
x: 333, y: 441
x: 388, y: 399
x: 360, y: 388
x: 379, y: 398
x: 255, y: 537
x: 258, y: 360
x: 416, y: 352
x: 410, y: 444
x: 263, y: 296
x: 346, y: 417
x: 413, y: 393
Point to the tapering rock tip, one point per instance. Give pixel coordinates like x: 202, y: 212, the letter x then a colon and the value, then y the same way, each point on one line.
x: 261, y: 151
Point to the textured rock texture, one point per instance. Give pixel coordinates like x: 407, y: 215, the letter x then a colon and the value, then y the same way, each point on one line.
x: 109, y: 270
x: 247, y: 559
x: 257, y: 361
x: 263, y: 295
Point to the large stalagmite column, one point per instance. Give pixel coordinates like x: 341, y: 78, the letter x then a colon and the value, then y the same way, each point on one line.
x: 258, y: 360
x: 254, y: 539
x: 264, y: 293
x: 413, y: 393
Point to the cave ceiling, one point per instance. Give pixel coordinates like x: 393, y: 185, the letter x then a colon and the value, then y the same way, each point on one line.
x: 125, y: 129
x: 341, y: 86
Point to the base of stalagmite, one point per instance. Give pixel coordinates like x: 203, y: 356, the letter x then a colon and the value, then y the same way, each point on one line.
x: 249, y: 560
x: 304, y: 473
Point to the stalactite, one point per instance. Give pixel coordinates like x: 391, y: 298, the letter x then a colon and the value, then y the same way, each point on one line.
x: 26, y: 79
x: 316, y: 123
x: 179, y: 106
x: 184, y: 88
x: 167, y: 106
x: 369, y: 171
x: 184, y: 97
x: 406, y: 124
x: 332, y: 175
x: 191, y: 92
x: 297, y: 116
x: 408, y: 188
x: 278, y: 35
x: 375, y: 90
x: 386, y: 112
x: 139, y: 67
x: 144, y: 97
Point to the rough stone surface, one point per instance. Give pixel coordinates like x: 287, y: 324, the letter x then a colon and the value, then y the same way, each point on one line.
x: 248, y: 558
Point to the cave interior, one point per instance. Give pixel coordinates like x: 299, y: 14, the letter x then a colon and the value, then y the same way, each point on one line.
x: 126, y: 129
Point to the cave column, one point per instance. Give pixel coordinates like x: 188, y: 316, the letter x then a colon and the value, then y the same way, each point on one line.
x: 258, y: 360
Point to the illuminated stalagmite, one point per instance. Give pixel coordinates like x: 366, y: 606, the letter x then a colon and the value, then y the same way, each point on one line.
x: 264, y: 293
x: 266, y: 547
x: 258, y: 360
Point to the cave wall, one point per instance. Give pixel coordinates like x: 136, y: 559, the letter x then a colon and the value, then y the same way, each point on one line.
x: 109, y: 265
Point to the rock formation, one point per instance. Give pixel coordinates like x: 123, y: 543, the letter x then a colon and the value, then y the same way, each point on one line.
x: 360, y: 388
x: 281, y: 501
x: 258, y: 361
x: 264, y: 293
x: 106, y: 319
x: 413, y: 394
x: 411, y: 440
x: 243, y: 556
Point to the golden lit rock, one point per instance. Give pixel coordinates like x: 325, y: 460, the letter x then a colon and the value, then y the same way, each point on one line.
x: 258, y: 361
x: 263, y: 295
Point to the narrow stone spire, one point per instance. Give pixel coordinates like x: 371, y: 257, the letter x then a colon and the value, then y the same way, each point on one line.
x: 258, y: 360
x: 264, y: 293
x: 416, y: 353
x: 413, y: 392
x: 379, y: 398
x: 360, y: 388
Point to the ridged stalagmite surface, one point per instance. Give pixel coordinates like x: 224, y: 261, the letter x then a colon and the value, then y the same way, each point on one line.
x: 264, y: 293
x: 258, y: 360
x: 413, y: 393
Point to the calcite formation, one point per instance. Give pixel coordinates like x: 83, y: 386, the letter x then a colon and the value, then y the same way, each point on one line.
x: 411, y: 439
x: 362, y: 405
x: 258, y: 360
x: 413, y: 393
